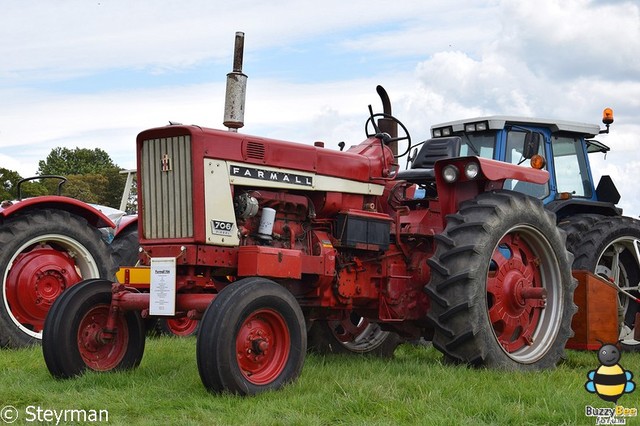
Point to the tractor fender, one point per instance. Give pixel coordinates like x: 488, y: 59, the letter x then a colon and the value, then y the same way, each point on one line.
x: 490, y: 175
x: 92, y: 215
x: 127, y: 222
x: 495, y: 170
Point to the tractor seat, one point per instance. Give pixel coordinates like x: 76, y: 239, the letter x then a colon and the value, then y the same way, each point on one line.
x: 423, y: 167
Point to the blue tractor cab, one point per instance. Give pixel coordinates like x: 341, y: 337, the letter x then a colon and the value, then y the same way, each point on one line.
x: 564, y: 147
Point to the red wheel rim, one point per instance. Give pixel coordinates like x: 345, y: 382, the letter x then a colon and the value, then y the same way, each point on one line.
x: 515, y: 295
x: 34, y: 282
x: 181, y: 326
x: 350, y: 328
x: 263, y: 346
x: 102, y: 352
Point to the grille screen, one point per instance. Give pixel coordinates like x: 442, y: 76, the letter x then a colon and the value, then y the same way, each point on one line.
x: 167, y: 210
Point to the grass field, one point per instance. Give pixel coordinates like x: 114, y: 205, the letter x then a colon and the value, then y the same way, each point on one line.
x: 413, y: 388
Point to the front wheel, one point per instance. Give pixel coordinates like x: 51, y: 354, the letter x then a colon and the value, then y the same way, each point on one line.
x: 252, y: 338
x: 75, y: 337
x: 501, y: 284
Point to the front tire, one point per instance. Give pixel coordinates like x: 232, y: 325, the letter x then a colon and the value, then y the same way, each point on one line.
x: 42, y: 253
x: 73, y: 336
x: 501, y: 285
x: 252, y: 338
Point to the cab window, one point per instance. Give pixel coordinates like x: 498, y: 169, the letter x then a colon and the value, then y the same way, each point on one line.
x: 514, y: 155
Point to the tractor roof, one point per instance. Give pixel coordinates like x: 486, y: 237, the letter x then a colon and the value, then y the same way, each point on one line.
x: 498, y: 122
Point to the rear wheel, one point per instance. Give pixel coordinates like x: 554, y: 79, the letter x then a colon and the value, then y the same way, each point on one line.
x: 252, y: 338
x: 75, y: 337
x: 501, y: 285
x: 42, y: 253
x: 611, y: 249
x: 353, y: 335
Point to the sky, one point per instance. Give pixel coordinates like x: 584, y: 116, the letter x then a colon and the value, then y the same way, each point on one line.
x: 93, y: 74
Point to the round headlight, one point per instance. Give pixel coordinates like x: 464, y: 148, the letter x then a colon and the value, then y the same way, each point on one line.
x: 471, y: 170
x: 450, y: 173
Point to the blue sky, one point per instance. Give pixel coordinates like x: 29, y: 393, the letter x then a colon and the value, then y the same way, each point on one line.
x: 80, y: 73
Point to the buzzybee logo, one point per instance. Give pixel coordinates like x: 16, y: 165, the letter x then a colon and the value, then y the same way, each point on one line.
x: 610, y: 381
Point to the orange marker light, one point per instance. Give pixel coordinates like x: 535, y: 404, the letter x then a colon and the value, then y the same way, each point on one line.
x: 607, y: 116
x: 537, y: 162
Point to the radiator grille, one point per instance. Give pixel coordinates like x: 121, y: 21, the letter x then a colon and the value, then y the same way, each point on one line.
x: 167, y: 210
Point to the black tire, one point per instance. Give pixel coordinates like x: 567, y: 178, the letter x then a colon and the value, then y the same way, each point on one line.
x: 354, y: 335
x: 575, y: 226
x: 42, y: 253
x: 125, y: 247
x: 595, y: 251
x: 252, y: 338
x: 493, y: 264
x: 71, y: 340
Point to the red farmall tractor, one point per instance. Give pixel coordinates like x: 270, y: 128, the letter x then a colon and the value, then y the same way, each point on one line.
x: 48, y: 244
x: 262, y: 239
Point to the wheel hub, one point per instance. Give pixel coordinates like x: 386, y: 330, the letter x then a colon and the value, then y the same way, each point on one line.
x: 262, y: 346
x: 515, y: 300
x: 101, y: 351
x: 34, y: 282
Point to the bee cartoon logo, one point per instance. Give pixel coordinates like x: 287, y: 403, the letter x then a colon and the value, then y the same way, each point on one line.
x: 609, y: 381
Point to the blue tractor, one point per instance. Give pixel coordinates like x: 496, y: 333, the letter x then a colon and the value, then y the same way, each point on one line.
x: 600, y: 237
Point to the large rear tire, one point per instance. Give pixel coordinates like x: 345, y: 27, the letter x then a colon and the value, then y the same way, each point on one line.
x: 501, y: 285
x: 43, y: 253
x: 74, y: 338
x: 610, y: 248
x: 252, y: 338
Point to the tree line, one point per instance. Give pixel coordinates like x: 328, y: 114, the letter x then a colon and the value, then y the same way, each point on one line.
x: 91, y: 175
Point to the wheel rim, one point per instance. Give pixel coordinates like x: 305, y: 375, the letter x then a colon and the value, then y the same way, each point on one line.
x: 181, y: 326
x: 357, y: 334
x: 524, y: 296
x: 613, y: 268
x: 98, y: 352
x: 263, y: 346
x: 39, y: 271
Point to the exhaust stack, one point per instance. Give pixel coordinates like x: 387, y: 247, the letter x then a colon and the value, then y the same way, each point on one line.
x: 236, y: 89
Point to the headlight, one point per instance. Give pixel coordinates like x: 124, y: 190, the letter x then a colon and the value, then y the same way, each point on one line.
x: 437, y: 133
x: 450, y: 173
x: 471, y: 170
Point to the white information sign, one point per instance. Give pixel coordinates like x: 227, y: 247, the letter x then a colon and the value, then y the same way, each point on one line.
x: 162, y: 298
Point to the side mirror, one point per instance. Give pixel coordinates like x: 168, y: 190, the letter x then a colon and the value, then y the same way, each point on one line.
x: 531, y: 144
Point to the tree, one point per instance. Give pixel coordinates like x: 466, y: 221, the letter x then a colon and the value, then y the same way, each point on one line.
x: 9, y: 186
x: 78, y: 161
x: 91, y: 175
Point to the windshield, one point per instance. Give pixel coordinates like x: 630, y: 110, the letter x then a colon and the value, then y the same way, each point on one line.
x: 480, y: 144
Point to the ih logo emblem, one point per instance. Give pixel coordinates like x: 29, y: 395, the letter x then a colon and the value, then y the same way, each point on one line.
x: 166, y: 163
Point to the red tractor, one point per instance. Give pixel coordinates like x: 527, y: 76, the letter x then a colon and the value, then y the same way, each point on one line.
x: 262, y: 238
x: 48, y: 244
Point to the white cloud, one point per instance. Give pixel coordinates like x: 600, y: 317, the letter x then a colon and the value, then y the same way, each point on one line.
x: 438, y: 60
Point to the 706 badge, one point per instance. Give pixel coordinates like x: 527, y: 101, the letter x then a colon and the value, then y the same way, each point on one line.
x: 220, y: 227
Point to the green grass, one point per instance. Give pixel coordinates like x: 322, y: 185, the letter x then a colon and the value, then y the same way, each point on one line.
x: 413, y: 388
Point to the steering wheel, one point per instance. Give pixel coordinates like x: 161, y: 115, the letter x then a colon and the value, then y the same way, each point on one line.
x: 386, y: 139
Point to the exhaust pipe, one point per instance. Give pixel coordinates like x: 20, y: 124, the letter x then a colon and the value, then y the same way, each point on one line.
x: 236, y: 89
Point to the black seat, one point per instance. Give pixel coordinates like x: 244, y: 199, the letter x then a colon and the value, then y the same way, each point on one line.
x: 422, y: 168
